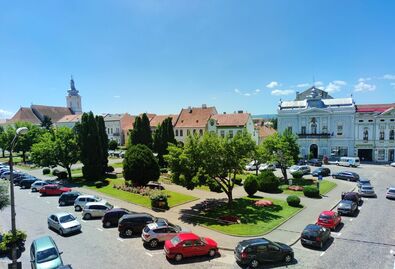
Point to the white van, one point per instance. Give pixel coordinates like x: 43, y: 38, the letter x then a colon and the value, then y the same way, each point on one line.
x: 349, y: 161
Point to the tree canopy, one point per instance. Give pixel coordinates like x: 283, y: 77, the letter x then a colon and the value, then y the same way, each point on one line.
x: 163, y: 135
x: 141, y: 133
x: 46, y: 122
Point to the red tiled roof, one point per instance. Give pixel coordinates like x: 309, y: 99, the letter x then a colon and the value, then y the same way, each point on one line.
x: 158, y: 119
x: 195, y: 117
x: 236, y: 119
x: 374, y: 107
x: 265, y: 131
x: 71, y: 118
x: 25, y: 114
x: 127, y: 123
x: 54, y: 112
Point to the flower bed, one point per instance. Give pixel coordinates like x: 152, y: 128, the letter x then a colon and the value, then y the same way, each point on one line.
x: 229, y: 219
x: 296, y: 188
x: 263, y: 203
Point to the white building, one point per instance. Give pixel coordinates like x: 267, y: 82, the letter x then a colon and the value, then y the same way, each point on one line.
x: 324, y: 125
x: 117, y: 126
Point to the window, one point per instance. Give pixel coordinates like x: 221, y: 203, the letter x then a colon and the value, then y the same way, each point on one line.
x: 303, y: 129
x: 231, y: 133
x: 194, y: 131
x: 381, y: 120
x: 181, y: 133
x: 176, y: 132
x: 382, y: 135
x: 314, y: 128
x: 200, y: 132
x: 261, y: 248
x: 370, y: 120
x: 198, y: 243
x: 381, y: 155
x: 187, y: 244
x: 365, y: 135
x: 324, y: 129
x: 360, y: 120
x: 392, y: 134
x: 339, y: 129
x: 222, y: 133
x: 188, y: 132
x: 272, y: 248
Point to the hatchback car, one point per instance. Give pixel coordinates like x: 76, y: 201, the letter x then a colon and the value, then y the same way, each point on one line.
x: 81, y: 200
x: 68, y: 198
x: 366, y: 191
x: 352, y: 196
x: 37, y: 185
x: 347, y: 207
x: 314, y: 162
x: 53, y: 189
x: 390, y: 193
x: 95, y: 209
x: 304, y: 169
x: 363, y: 181
x: 112, y: 216
x: 45, y: 254
x: 329, y: 219
x: 349, y: 176
x: 254, y: 252
x: 157, y: 232
x: 322, y: 171
x: 131, y: 224
x: 267, y: 166
x: 315, y: 235
x: 63, y: 223
x: 186, y: 245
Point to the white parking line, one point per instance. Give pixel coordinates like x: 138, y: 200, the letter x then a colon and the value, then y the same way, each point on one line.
x: 120, y: 239
x: 47, y: 202
x: 99, y: 229
x: 149, y: 254
x: 83, y: 220
x: 351, y: 219
x: 58, y: 207
x: 322, y: 254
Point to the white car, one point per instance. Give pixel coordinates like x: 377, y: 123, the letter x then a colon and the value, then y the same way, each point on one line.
x: 37, y: 185
x: 393, y: 164
x: 251, y: 166
x: 390, y: 193
x: 300, y: 168
x: 81, y: 201
x: 64, y: 223
x: 267, y: 166
x: 95, y: 209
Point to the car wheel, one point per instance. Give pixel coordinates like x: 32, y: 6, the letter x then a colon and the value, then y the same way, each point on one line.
x: 87, y: 216
x: 288, y: 258
x: 254, y: 263
x: 34, y: 190
x: 129, y: 232
x: 77, y: 208
x: 62, y: 203
x: 153, y: 243
x: 178, y: 257
x: 61, y: 232
x: 107, y: 224
x: 212, y: 253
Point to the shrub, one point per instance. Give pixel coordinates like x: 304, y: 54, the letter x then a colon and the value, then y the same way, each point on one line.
x: 8, y: 240
x: 251, y: 185
x: 163, y: 170
x: 293, y: 200
x: 297, y: 175
x: 46, y: 171
x: 112, y: 145
x: 159, y: 200
x: 55, y: 172
x: 311, y: 191
x: 109, y: 169
x: 268, y: 182
x: 62, y: 175
x: 99, y: 184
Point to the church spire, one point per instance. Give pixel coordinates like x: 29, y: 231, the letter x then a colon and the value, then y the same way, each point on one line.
x: 73, y: 91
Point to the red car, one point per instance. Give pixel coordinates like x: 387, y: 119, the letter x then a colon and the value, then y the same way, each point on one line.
x: 188, y: 245
x: 329, y: 219
x: 53, y: 189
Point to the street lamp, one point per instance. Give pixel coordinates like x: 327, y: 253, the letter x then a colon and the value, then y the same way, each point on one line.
x: 19, y: 131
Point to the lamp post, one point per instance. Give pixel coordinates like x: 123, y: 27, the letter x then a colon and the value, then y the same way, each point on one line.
x: 19, y: 131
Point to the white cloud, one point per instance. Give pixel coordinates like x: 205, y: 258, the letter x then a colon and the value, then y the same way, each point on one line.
x: 117, y: 96
x: 364, y: 79
x: 257, y: 90
x: 335, y: 86
x: 340, y: 82
x: 5, y: 114
x: 247, y: 94
x: 392, y: 84
x: 318, y: 83
x: 281, y: 92
x: 302, y: 85
x: 364, y: 87
x: 389, y: 76
x: 272, y: 85
x: 237, y: 91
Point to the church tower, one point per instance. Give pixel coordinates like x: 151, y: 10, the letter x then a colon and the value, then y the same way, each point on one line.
x: 73, y: 99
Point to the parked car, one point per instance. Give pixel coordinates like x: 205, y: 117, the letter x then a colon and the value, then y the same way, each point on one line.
x: 346, y: 175
x: 27, y: 183
x: 157, y: 232
x: 186, y: 245
x: 63, y: 223
x: 322, y: 171
x: 131, y: 224
x: 329, y: 219
x: 53, y: 189
x: 38, y: 184
x: 366, y: 191
x: 5, y: 174
x: 253, y: 165
x: 304, y: 169
x: 363, y: 181
x: 347, y: 207
x: 18, y: 179
x: 315, y: 235
x: 314, y: 162
x: 349, y: 161
x: 301, y: 162
x: 155, y: 185
x: 68, y: 198
x: 81, y: 200
x: 257, y: 251
x: 390, y: 193
x: 112, y: 216
x: 45, y: 254
x: 95, y: 209
x: 392, y: 164
x: 352, y: 196
x: 267, y: 166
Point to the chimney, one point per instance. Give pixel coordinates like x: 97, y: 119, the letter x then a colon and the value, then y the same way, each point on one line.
x: 224, y: 112
x: 204, y: 106
x: 190, y: 109
x: 240, y: 111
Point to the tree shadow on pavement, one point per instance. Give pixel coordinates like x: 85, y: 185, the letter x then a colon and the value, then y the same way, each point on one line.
x: 272, y: 265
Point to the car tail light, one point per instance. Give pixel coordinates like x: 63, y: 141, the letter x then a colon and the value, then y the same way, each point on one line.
x: 243, y: 255
x: 318, y: 239
x: 146, y: 235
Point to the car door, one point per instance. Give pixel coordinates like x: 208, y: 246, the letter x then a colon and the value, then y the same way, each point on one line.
x: 187, y: 249
x: 199, y: 248
x: 54, y: 222
x: 274, y: 252
x: 161, y: 234
x: 171, y: 232
x: 262, y: 254
x: 336, y: 219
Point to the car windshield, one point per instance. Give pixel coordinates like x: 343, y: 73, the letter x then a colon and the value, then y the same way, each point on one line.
x: 322, y: 216
x: 47, y: 255
x: 66, y: 218
x: 367, y: 188
x: 175, y: 240
x: 345, y: 205
x: 310, y: 233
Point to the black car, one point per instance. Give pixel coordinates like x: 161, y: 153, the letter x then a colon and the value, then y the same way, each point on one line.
x: 314, y: 162
x: 133, y: 224
x: 315, y: 235
x: 352, y: 196
x: 27, y: 183
x: 322, y: 171
x: 253, y: 252
x: 347, y: 207
x: 301, y: 162
x: 18, y: 180
x: 349, y: 176
x: 68, y: 198
x: 112, y: 216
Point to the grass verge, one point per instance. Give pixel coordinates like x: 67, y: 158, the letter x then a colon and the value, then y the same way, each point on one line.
x: 325, y: 186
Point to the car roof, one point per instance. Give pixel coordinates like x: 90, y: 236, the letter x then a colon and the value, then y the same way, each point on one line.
x: 328, y: 213
x: 96, y: 203
x: 313, y: 227
x: 128, y: 216
x: 254, y: 241
x: 43, y: 243
x: 88, y: 196
x: 188, y: 236
x: 346, y: 202
x: 117, y: 209
x: 72, y: 193
x: 61, y: 214
x: 391, y: 188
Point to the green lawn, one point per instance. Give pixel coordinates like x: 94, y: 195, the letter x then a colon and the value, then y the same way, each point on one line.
x: 325, y: 186
x: 174, y: 198
x: 116, y: 165
x: 255, y: 221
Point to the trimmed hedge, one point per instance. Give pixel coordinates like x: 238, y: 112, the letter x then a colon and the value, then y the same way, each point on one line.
x: 99, y: 184
x: 251, y: 185
x: 268, y: 182
x: 297, y: 175
x: 311, y: 191
x: 159, y: 200
x: 46, y: 171
x: 55, y: 172
x: 293, y: 200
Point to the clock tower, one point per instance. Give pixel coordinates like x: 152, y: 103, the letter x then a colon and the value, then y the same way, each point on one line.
x: 73, y: 98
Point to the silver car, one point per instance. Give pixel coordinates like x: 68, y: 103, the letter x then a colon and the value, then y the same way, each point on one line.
x: 64, y: 223
x: 95, y: 210
x: 366, y: 191
x: 81, y: 201
x: 37, y: 185
x: 304, y: 169
x: 159, y: 231
x: 390, y: 193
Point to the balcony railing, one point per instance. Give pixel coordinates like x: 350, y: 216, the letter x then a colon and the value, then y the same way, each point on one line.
x: 321, y: 135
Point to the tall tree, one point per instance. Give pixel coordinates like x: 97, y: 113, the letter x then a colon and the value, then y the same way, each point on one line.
x: 6, y: 138
x: 163, y: 135
x: 103, y: 141
x: 210, y: 159
x: 57, y: 148
x: 141, y: 133
x: 26, y: 141
x: 46, y: 122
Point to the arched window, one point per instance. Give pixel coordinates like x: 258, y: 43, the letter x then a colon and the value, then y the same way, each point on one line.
x: 366, y: 135
x: 392, y: 135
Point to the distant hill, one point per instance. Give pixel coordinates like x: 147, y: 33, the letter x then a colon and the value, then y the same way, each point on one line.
x: 265, y: 116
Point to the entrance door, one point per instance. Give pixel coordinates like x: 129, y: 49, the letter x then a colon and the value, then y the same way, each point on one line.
x: 314, y: 151
x: 365, y: 155
x: 391, y: 155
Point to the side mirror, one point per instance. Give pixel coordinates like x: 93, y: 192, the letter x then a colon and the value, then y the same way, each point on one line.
x: 60, y: 253
x: 32, y: 260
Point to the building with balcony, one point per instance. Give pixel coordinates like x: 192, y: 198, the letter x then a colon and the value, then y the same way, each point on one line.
x: 117, y: 126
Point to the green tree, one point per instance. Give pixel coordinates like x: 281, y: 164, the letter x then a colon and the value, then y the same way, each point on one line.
x: 46, y: 122
x: 112, y: 145
x: 101, y: 128
x: 3, y: 141
x: 4, y: 197
x: 274, y: 122
x: 163, y: 135
x: 208, y: 159
x: 6, y: 138
x: 140, y: 165
x: 59, y: 148
x: 141, y: 133
x: 26, y: 141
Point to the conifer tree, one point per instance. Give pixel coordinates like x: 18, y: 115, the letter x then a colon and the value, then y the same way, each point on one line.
x: 103, y: 141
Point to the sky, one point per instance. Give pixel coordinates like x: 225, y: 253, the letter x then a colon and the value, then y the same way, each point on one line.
x: 162, y: 56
